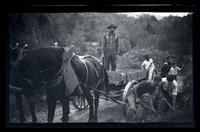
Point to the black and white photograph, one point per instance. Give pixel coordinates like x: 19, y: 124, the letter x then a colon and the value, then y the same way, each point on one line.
x: 100, y: 67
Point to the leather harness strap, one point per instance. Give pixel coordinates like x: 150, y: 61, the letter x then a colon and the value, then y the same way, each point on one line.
x: 53, y: 83
x: 87, y: 74
x: 86, y: 67
x: 150, y: 66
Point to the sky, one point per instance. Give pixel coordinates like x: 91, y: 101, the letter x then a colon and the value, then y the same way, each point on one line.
x: 158, y: 15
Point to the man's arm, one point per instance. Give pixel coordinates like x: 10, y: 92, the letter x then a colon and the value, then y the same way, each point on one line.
x: 117, y: 45
x: 178, y: 68
x: 174, y: 93
x: 104, y: 44
x: 174, y: 101
x: 135, y: 94
x: 151, y: 60
x: 143, y: 65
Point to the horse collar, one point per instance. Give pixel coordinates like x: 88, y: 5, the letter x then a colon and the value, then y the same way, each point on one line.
x: 69, y: 59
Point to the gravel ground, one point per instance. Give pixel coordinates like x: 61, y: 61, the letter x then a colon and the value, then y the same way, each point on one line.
x: 107, y: 112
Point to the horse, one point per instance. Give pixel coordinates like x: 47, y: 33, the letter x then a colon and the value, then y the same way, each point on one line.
x: 37, y: 72
x: 93, y: 80
x: 14, y: 55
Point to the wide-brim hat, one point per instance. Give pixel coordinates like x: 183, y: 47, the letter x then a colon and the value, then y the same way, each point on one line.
x: 112, y: 26
x: 173, y: 62
x: 170, y: 56
x: 146, y: 56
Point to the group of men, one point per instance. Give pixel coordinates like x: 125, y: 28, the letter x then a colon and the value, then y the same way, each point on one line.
x: 166, y: 82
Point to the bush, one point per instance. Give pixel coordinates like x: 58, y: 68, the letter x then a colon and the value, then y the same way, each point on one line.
x: 134, y: 58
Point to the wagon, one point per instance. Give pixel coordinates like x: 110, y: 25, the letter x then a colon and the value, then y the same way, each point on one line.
x: 121, y: 83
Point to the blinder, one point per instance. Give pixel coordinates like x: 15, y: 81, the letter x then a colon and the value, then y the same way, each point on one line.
x: 59, y: 76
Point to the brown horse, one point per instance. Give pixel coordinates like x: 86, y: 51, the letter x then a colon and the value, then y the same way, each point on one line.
x: 37, y: 72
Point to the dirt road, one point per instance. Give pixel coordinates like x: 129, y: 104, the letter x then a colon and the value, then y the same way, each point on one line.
x: 107, y: 112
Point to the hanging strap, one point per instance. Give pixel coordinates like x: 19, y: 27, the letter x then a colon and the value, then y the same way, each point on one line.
x: 86, y: 67
x: 150, y: 66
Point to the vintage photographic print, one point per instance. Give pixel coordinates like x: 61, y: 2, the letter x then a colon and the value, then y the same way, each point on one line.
x: 116, y: 67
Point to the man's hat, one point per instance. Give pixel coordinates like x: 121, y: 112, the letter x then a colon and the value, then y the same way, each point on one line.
x: 112, y: 26
x: 170, y: 56
x: 146, y: 57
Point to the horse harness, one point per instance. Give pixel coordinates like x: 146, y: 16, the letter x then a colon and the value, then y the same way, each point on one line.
x: 59, y: 76
x: 87, y: 76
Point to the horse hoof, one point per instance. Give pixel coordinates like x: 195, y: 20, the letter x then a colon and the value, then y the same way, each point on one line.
x: 34, y: 120
x: 65, y: 120
x: 22, y: 120
x: 49, y: 121
x: 92, y: 120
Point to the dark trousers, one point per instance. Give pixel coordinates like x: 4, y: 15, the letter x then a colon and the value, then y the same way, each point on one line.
x: 110, y: 59
x: 169, y: 99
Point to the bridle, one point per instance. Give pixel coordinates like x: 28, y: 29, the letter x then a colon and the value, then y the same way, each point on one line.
x: 58, y: 76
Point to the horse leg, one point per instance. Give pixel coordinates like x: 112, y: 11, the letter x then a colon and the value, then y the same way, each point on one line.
x: 20, y: 107
x: 65, y: 108
x: 31, y: 101
x: 96, y: 104
x: 51, y: 102
x: 89, y: 98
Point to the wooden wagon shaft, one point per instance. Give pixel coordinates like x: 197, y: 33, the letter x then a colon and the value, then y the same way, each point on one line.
x: 14, y: 89
x: 117, y: 101
x: 168, y: 103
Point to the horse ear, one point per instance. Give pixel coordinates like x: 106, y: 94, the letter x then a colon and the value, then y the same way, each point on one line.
x: 66, y: 48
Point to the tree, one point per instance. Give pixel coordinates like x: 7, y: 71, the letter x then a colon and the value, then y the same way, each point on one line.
x: 43, y: 29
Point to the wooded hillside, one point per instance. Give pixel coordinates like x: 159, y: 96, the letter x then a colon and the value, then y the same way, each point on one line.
x: 137, y: 36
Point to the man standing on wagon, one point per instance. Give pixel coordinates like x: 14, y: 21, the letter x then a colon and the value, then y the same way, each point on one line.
x: 110, y: 48
x: 148, y: 65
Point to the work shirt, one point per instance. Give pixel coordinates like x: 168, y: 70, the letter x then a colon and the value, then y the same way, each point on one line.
x: 147, y: 64
x: 172, y: 88
x: 110, y: 44
x: 174, y: 70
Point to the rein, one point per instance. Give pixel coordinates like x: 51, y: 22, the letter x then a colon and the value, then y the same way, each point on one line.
x: 86, y: 67
x: 95, y: 88
x: 53, y: 83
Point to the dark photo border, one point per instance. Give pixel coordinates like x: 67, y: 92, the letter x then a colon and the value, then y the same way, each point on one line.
x: 35, y: 8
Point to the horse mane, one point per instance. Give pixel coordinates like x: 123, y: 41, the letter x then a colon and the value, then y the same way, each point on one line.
x: 39, y: 59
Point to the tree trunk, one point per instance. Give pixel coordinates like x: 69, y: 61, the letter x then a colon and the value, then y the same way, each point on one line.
x: 35, y: 37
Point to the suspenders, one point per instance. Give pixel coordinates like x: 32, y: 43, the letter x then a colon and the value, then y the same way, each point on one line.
x: 107, y: 37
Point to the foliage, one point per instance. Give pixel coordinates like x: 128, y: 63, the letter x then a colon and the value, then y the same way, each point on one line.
x: 137, y: 36
x: 133, y: 59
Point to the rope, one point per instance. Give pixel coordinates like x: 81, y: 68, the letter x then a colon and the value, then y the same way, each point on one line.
x: 100, y: 92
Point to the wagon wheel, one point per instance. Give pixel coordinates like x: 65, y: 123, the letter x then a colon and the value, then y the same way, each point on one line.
x: 129, y: 99
x: 80, y: 102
